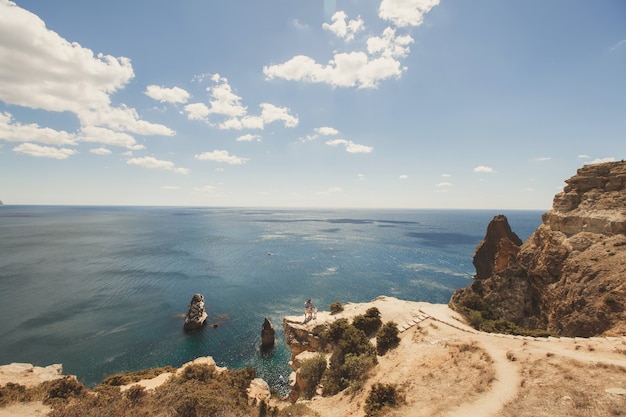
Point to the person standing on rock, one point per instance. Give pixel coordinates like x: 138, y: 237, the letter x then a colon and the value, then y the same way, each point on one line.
x: 308, y: 310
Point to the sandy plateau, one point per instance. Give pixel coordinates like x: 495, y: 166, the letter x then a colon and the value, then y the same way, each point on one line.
x: 446, y: 368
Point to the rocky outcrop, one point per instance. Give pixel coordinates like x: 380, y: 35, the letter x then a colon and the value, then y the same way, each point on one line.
x: 29, y: 375
x: 267, y: 335
x: 196, y: 313
x: 568, y: 277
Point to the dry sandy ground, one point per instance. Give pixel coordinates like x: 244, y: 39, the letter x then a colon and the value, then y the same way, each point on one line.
x: 445, y: 368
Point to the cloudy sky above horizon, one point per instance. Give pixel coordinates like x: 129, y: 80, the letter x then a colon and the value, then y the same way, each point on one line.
x: 323, y: 103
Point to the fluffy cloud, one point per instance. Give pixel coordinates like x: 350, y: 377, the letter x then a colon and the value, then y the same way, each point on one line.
x: 12, y: 131
x: 405, y: 12
x: 361, y: 68
x: 271, y: 113
x: 224, y: 102
x: 351, y: 147
x: 343, y: 29
x: 353, y: 69
x: 167, y: 95
x: 248, y: 138
x: 221, y: 156
x: 44, y: 151
x: 100, y: 151
x: 483, y: 169
x: 326, y: 131
x: 41, y: 70
x: 197, y: 111
x: 403, y: 177
x: 389, y: 45
x: 153, y: 163
x: 108, y: 137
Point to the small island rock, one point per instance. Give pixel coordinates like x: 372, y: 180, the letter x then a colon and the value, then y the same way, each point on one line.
x: 196, y: 314
x: 267, y: 334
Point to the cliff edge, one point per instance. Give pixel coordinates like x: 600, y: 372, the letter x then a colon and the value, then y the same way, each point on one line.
x: 568, y: 277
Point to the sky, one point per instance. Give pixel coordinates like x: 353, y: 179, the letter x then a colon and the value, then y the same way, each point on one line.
x: 456, y: 104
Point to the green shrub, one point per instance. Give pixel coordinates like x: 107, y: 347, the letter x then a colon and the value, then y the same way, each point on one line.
x: 369, y: 322
x: 387, y: 338
x: 381, y: 398
x: 336, y: 307
x: 353, y: 355
x: 312, y: 371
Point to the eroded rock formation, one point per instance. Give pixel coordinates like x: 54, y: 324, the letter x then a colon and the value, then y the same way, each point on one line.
x: 569, y: 275
x: 267, y: 334
x: 196, y: 313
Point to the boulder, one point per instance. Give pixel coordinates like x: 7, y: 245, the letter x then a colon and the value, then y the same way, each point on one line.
x: 258, y: 392
x: 196, y: 313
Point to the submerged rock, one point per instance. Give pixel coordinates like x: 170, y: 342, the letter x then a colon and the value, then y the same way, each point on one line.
x: 196, y: 313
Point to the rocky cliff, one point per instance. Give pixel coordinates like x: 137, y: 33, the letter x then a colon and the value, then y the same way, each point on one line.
x: 569, y: 277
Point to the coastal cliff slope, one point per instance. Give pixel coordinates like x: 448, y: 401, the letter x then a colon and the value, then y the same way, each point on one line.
x: 568, y: 278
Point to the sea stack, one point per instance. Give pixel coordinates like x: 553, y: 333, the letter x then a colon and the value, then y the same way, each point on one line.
x: 267, y: 335
x: 196, y: 313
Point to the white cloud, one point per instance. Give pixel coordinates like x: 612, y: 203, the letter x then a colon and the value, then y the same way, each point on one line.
x: 602, y: 160
x: 153, y: 163
x: 246, y: 122
x: 44, y: 151
x: 108, y: 137
x: 271, y: 113
x: 197, y: 111
x: 299, y: 25
x: 351, y: 147
x: 224, y: 102
x: 343, y: 29
x: 389, y: 45
x: 405, y: 12
x: 13, y: 131
x: 483, y: 169
x: 584, y: 156
x: 170, y: 187
x: 167, y: 95
x: 353, y: 69
x: 618, y: 45
x: 41, y: 70
x: 446, y: 175
x: 249, y: 138
x: 403, y: 177
x: 361, y: 177
x: 443, y: 187
x: 100, y: 151
x: 221, y: 156
x: 326, y: 131
x: 206, y: 189
x: 542, y: 158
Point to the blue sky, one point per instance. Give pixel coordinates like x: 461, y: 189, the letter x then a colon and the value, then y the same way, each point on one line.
x: 318, y: 103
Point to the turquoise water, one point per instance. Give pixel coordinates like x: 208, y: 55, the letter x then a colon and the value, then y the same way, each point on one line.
x: 103, y: 289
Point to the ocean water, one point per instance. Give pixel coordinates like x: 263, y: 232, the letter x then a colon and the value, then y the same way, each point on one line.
x: 104, y: 289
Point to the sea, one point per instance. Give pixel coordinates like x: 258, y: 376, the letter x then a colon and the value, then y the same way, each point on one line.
x: 104, y: 290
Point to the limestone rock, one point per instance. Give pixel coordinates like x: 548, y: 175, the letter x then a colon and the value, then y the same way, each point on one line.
x: 258, y: 392
x: 196, y: 313
x: 497, y: 249
x: 29, y: 375
x: 568, y: 276
x: 267, y: 334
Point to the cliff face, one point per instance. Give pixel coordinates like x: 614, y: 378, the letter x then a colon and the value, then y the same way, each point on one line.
x: 569, y: 277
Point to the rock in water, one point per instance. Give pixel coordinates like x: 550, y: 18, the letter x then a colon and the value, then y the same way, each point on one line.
x: 196, y: 314
x: 267, y: 334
